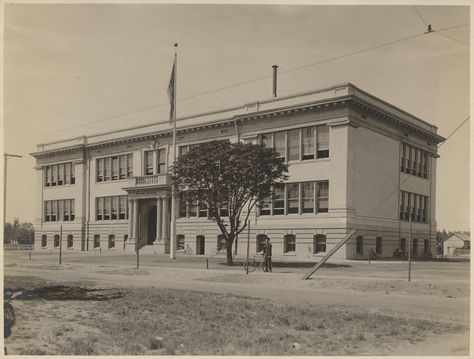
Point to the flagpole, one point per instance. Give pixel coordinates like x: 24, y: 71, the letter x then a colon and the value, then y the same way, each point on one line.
x: 173, y: 194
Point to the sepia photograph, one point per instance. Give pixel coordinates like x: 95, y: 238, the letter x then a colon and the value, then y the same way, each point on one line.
x: 236, y: 179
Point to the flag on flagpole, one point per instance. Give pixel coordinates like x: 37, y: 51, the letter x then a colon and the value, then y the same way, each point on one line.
x: 171, y: 91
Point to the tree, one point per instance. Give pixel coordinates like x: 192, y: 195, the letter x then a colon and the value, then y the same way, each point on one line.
x: 17, y: 232
x: 229, y: 179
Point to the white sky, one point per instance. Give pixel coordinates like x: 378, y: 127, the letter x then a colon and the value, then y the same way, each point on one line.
x: 70, y: 67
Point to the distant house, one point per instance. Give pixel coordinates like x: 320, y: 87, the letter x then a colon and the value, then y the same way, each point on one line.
x: 457, y: 244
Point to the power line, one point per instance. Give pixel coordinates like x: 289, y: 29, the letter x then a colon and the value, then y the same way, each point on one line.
x: 243, y: 82
x: 452, y: 38
x: 421, y: 17
x: 452, y: 133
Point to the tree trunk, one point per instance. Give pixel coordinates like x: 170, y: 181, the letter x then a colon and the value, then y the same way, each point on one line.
x: 230, y: 260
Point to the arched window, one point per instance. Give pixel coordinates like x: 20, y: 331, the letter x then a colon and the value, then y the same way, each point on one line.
x: 260, y: 241
x: 56, y: 240
x: 44, y: 240
x: 378, y: 245
x: 415, y: 247
x: 360, y: 245
x: 221, y: 243
x: 319, y: 243
x: 180, y: 241
x: 111, y: 241
x: 70, y: 241
x: 289, y: 243
x: 96, y: 241
x: 403, y: 246
x: 426, y: 247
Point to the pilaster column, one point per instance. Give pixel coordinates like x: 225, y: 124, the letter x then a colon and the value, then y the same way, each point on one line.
x: 135, y: 219
x: 159, y: 215
x: 130, y: 218
x: 165, y: 219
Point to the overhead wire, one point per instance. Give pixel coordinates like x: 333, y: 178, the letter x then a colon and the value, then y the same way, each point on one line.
x: 241, y: 83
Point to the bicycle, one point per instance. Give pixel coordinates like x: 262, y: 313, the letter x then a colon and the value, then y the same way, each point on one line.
x: 253, y: 264
x: 218, y: 252
x: 186, y: 250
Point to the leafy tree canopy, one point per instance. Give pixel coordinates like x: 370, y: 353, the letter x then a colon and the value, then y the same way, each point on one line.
x: 233, y: 177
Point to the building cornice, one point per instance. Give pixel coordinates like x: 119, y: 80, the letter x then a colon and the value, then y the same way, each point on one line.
x: 346, y: 94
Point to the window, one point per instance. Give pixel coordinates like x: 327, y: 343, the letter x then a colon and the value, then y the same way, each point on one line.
x: 47, y: 211
x: 294, y: 145
x: 414, y: 161
x: 180, y: 241
x: 403, y: 246
x: 71, y: 204
x: 289, y: 243
x: 280, y: 143
x: 111, y: 242
x: 307, y: 189
x: 292, y: 191
x: 260, y: 241
x: 308, y: 143
x: 360, y: 245
x: 202, y: 209
x: 319, y: 243
x: 266, y: 139
x: 60, y: 211
x: 56, y: 240
x: 60, y: 174
x: 114, y: 168
x: 265, y: 206
x: 413, y: 205
x: 70, y: 241
x: 279, y: 200
x: 73, y: 177
x: 44, y: 240
x: 53, y: 175
x: 323, y: 196
x: 378, y: 245
x: 323, y: 141
x: 54, y: 211
x: 223, y: 210
x: 96, y: 241
x: 193, y: 209
x: 426, y: 247
x: 415, y: 247
x: 161, y: 161
x: 182, y: 205
x: 221, y: 243
x: 107, y: 168
x: 182, y: 150
x: 111, y: 208
x: 47, y: 178
x: 148, y: 162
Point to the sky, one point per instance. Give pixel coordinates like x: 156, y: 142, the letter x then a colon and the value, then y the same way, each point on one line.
x: 79, y: 69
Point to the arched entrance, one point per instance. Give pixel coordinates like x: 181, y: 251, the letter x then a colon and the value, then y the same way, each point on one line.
x: 151, y: 225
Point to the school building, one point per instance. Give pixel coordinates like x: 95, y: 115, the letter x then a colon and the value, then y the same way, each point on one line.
x: 355, y: 162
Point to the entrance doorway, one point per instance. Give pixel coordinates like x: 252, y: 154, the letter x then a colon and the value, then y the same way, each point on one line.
x: 200, y: 240
x: 151, y: 226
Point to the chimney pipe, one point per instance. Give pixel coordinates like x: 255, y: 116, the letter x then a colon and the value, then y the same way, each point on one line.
x: 275, y: 67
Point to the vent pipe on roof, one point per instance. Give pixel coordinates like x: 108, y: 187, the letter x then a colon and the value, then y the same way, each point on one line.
x: 275, y: 67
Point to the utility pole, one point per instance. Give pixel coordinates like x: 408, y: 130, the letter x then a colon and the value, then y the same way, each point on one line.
x: 409, y: 250
x: 5, y: 158
x: 60, y: 244
x: 248, y: 249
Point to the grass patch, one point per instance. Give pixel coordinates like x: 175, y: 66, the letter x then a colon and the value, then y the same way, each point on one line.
x: 167, y: 322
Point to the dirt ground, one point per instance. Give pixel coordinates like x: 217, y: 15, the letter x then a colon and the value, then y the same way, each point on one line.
x: 438, y: 290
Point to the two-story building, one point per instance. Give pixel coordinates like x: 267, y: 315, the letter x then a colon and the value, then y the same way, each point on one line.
x: 355, y: 162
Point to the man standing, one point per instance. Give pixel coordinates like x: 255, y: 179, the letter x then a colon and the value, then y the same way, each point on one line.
x: 267, y: 255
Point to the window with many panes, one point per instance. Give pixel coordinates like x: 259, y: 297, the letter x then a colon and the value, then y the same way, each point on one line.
x: 59, y: 175
x: 279, y: 200
x: 44, y: 240
x: 319, y: 243
x: 111, y: 208
x: 114, y: 168
x: 292, y: 192
x: 59, y: 210
x: 322, y: 196
x: 148, y: 166
x: 414, y: 206
x: 414, y: 161
x: 299, y: 144
x: 180, y: 241
x: 289, y: 243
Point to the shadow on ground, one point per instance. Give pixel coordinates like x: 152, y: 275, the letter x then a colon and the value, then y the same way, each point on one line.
x: 294, y: 264
x: 61, y: 292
